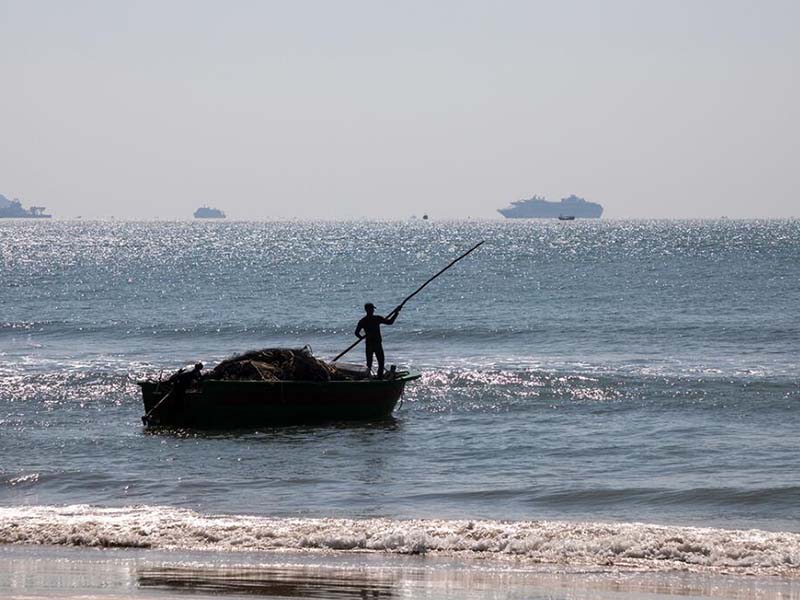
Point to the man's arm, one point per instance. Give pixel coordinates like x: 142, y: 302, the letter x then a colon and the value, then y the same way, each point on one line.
x: 392, y: 319
x: 359, y: 327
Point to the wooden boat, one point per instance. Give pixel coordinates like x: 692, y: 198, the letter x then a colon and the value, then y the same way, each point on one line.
x: 221, y: 404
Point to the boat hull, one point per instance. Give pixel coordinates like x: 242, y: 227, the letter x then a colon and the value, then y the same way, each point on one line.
x: 247, y: 404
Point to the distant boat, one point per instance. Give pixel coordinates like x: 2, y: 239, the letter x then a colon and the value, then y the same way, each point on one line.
x: 205, y: 212
x: 424, y: 217
x: 566, y: 217
x: 539, y: 208
x: 12, y: 209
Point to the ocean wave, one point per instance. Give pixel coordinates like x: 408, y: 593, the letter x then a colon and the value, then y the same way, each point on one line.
x: 178, y: 328
x: 634, y: 545
x: 76, y: 387
x: 461, y: 388
x: 496, y: 390
x: 775, y: 496
x: 28, y: 325
x: 176, y: 331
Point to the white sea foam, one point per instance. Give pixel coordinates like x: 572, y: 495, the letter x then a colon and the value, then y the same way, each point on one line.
x: 631, y: 545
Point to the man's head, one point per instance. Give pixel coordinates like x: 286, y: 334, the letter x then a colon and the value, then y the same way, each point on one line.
x: 198, y: 366
x: 369, y: 307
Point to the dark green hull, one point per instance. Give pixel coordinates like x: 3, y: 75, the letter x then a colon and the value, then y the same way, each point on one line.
x: 247, y: 404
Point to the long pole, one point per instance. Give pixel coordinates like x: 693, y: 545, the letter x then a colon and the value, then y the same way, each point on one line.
x: 409, y: 297
x: 146, y: 418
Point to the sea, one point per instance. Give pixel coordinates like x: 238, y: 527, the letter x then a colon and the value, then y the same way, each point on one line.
x: 595, y: 395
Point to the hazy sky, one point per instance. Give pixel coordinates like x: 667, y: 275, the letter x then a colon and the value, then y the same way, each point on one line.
x: 375, y: 109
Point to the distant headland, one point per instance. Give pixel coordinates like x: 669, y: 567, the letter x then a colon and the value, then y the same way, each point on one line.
x: 539, y: 208
x: 12, y: 209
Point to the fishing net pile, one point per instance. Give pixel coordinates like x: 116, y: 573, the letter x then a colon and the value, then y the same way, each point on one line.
x: 280, y: 364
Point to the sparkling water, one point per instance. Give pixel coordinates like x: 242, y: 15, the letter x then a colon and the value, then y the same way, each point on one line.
x: 572, y: 372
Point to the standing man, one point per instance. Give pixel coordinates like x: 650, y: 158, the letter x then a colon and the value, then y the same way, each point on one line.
x: 371, y: 325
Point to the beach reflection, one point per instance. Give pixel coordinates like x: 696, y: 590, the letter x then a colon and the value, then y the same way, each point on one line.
x: 451, y: 582
x: 281, y: 582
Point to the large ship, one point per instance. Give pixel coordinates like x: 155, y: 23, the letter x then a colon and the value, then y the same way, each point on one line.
x: 12, y: 209
x: 204, y: 212
x: 539, y: 208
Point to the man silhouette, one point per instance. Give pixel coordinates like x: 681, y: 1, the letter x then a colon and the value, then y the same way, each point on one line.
x: 371, y: 325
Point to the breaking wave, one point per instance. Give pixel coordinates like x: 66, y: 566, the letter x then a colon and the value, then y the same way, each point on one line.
x: 626, y: 545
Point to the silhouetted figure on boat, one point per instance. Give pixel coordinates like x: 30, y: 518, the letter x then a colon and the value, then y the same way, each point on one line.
x: 183, y: 378
x: 371, y: 326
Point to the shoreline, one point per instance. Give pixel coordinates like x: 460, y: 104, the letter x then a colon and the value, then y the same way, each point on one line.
x: 514, y: 544
x: 49, y: 571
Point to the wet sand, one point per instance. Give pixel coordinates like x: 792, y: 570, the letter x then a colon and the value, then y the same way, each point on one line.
x: 77, y: 573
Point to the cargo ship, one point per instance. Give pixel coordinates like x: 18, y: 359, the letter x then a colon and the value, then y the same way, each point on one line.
x: 205, y: 212
x: 12, y: 209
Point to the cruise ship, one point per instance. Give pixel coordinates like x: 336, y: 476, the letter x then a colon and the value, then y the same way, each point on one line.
x: 539, y: 208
